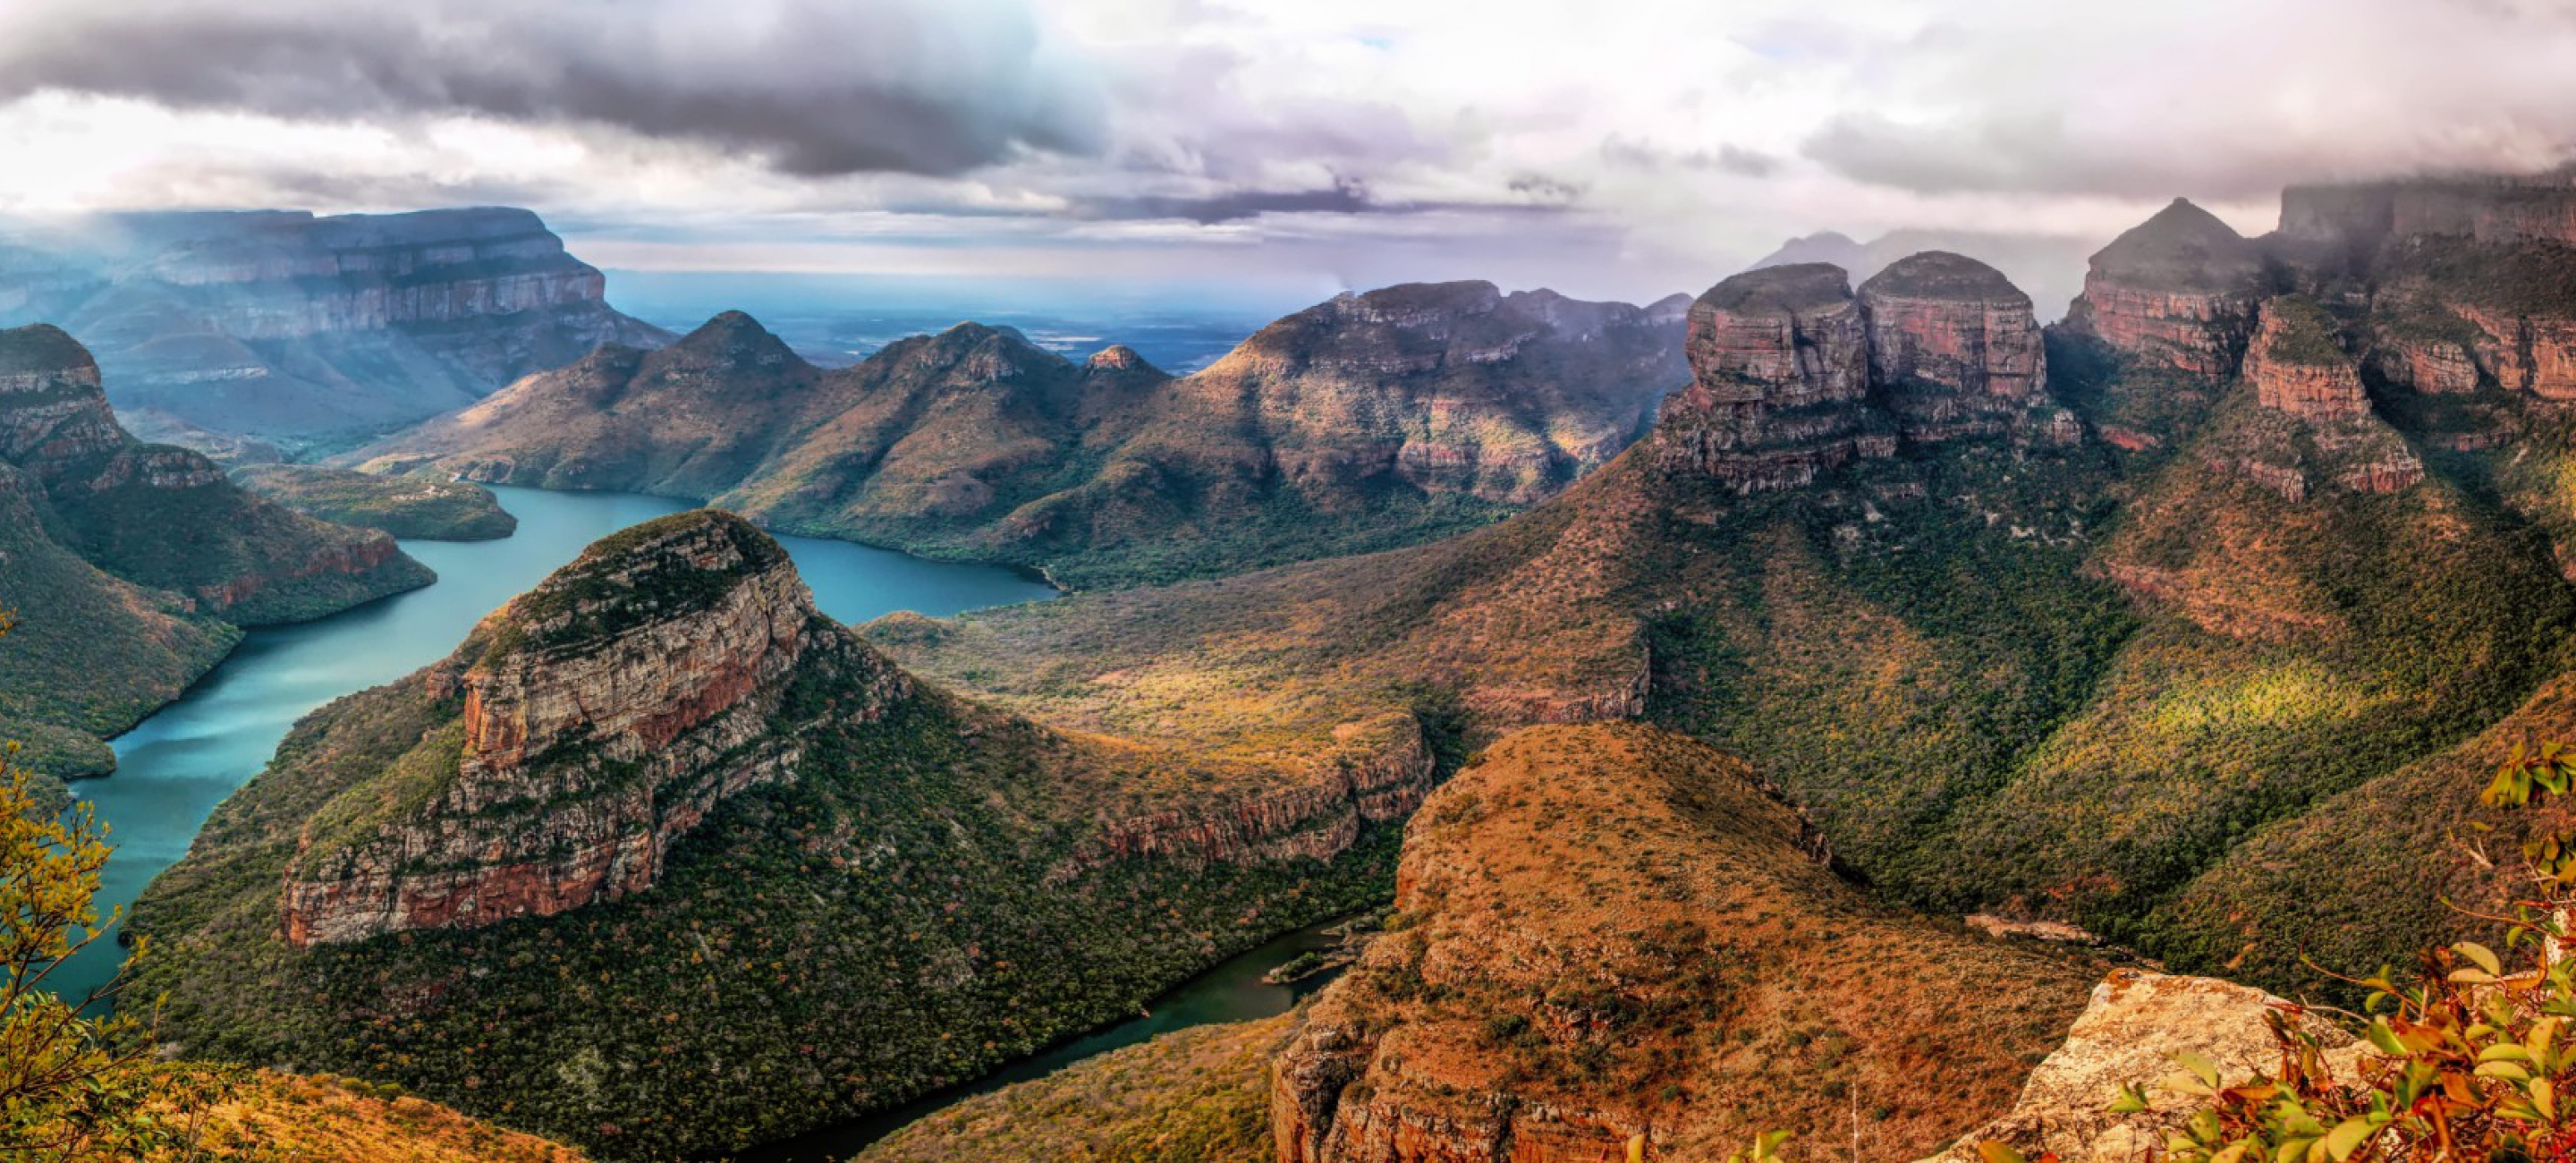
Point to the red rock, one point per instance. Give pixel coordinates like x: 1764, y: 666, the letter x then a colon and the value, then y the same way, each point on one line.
x: 1953, y: 346
x: 1779, y: 371
x: 2178, y: 290
x: 627, y: 737
x: 2298, y: 366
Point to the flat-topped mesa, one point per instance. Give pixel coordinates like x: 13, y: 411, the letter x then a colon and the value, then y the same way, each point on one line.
x: 1953, y: 346
x: 1779, y: 374
x: 2178, y: 290
x: 603, y: 715
x: 2298, y: 365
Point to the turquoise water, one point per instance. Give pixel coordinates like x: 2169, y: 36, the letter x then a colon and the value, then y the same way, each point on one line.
x: 174, y: 767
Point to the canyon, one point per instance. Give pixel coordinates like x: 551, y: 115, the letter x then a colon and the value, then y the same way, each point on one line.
x: 132, y: 563
x: 306, y: 330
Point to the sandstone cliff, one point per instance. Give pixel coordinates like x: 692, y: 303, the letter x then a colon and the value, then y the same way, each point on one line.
x: 1779, y: 377
x: 1953, y: 347
x: 2178, y: 291
x: 1793, y: 375
x: 1606, y: 931
x: 604, y: 714
x: 304, y: 329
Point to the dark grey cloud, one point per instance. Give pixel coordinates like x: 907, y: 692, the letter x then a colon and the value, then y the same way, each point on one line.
x: 811, y: 87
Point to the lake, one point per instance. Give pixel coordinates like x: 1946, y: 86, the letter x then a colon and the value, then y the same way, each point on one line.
x: 173, y: 768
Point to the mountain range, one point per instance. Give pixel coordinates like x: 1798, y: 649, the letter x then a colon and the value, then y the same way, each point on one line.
x: 1366, y: 422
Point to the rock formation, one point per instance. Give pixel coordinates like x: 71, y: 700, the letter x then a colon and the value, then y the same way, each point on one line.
x: 2129, y: 1035
x: 605, y: 713
x: 1953, y: 346
x: 1779, y: 377
x: 2298, y: 366
x: 1793, y: 375
x: 2178, y: 291
x: 166, y: 517
x: 285, y: 325
x: 1605, y: 931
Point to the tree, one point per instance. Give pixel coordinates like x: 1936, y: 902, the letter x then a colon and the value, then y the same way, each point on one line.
x: 76, y: 1084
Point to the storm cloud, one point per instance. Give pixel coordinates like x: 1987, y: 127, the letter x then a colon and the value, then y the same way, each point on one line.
x: 910, y: 86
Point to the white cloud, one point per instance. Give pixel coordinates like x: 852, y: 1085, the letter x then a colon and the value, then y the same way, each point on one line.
x: 1626, y: 148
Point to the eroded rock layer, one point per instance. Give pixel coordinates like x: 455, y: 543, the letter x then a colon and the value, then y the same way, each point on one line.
x: 1953, y: 346
x: 2178, y: 291
x: 603, y: 715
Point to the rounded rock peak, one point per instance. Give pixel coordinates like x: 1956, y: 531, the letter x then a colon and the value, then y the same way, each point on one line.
x: 1116, y: 357
x: 2183, y: 248
x: 1940, y: 274
x: 699, y: 540
x: 1787, y: 289
x: 41, y: 347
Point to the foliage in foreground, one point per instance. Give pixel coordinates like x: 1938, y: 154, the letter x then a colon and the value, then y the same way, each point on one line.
x: 2472, y: 1059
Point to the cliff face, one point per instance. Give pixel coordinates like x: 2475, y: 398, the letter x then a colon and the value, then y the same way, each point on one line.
x: 2179, y: 291
x: 2298, y: 366
x: 166, y: 517
x: 1792, y: 375
x: 287, y: 326
x: 1363, y: 422
x: 609, y: 711
x: 1603, y: 927
x: 1779, y: 374
x: 1953, y: 346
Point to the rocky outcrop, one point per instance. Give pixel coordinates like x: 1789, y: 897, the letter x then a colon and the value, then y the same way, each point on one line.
x: 604, y: 714
x: 296, y: 327
x: 2129, y: 1035
x: 1953, y: 346
x: 1376, y: 783
x: 1606, y: 931
x: 1779, y: 377
x: 2298, y: 366
x: 2178, y: 291
x: 1793, y: 375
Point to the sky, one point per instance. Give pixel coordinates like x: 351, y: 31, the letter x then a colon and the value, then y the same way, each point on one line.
x: 1612, y: 148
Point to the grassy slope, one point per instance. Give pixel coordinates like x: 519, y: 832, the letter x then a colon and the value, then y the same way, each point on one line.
x: 292, y: 1117
x: 92, y: 654
x: 1193, y: 1096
